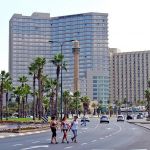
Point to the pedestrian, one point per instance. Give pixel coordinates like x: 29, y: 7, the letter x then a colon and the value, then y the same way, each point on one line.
x: 53, y: 126
x: 74, y: 128
x: 83, y: 121
x: 64, y: 128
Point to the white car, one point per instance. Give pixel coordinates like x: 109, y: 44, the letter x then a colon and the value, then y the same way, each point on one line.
x: 104, y: 119
x: 120, y: 118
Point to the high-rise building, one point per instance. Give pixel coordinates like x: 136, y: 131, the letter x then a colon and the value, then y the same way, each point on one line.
x: 129, y: 73
x: 29, y: 36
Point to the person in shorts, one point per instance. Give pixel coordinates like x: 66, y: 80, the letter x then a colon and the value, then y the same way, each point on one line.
x: 53, y: 126
x: 64, y: 128
x: 74, y: 128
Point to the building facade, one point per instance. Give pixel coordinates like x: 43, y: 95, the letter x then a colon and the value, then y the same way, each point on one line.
x: 129, y: 73
x: 29, y: 36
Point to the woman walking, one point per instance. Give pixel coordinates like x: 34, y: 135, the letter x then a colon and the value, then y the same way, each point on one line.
x: 53, y: 126
x: 74, y: 128
x: 64, y: 128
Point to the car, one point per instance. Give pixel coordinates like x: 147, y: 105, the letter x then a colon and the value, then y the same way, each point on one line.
x: 120, y: 118
x: 29, y: 116
x: 85, y: 118
x: 129, y: 117
x: 104, y: 119
x: 139, y: 116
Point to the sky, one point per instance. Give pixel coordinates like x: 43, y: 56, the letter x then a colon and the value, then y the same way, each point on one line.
x: 129, y: 20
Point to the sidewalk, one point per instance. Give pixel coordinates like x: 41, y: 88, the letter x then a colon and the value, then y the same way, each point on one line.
x: 141, y: 122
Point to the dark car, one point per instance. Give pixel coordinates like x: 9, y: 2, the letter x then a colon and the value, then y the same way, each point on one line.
x: 129, y: 117
x: 139, y: 116
x: 104, y: 119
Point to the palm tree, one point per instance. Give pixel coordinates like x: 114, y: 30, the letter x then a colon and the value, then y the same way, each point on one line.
x: 94, y: 107
x: 3, y: 76
x: 59, y: 62
x: 17, y: 93
x: 22, y: 79
x: 85, y: 101
x: 8, y: 87
x: 66, y: 100
x: 50, y: 87
x: 77, y: 99
x: 118, y: 106
x: 147, y: 96
x: 33, y: 72
x: 40, y: 62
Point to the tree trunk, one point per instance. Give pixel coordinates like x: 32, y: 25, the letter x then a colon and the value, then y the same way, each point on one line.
x: 57, y: 89
x: 23, y: 108
x: 7, y: 106
x: 1, y: 101
x: 39, y: 92
x: 34, y: 98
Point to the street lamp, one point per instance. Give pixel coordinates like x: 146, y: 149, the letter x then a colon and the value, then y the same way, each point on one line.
x: 61, y: 46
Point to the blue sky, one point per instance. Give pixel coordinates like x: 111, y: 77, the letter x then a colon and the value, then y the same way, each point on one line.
x: 129, y: 20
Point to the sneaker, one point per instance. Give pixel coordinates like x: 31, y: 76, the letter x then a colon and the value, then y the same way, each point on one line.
x: 72, y: 139
x: 62, y: 142
x: 75, y: 141
x: 67, y: 141
x: 56, y: 143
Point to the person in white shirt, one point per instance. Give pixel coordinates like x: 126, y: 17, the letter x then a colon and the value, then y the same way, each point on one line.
x: 74, y: 128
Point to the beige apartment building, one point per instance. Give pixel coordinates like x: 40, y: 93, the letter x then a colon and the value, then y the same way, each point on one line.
x: 129, y: 73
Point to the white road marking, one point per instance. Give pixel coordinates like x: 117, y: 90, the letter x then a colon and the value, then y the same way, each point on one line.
x: 11, y: 135
x: 36, y: 142
x: 68, y: 147
x: 2, y: 136
x: 108, y: 128
x: 35, y: 147
x: 96, y: 126
x: 83, y: 143
x: 138, y: 149
x: 21, y: 134
x: 17, y: 144
x: 120, y: 129
x: 101, y: 138
x: 93, y: 141
x: 135, y: 129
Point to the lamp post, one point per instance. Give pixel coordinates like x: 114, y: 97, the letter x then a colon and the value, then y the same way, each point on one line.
x: 61, y: 46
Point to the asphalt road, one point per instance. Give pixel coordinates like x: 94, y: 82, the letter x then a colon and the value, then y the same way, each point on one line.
x: 95, y: 136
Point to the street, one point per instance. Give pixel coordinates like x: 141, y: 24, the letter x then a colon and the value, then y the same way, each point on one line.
x: 95, y: 136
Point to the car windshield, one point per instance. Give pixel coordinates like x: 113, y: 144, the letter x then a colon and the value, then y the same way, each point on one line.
x: 120, y: 117
x: 104, y: 117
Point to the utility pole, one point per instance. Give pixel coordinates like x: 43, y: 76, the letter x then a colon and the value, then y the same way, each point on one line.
x: 76, y: 51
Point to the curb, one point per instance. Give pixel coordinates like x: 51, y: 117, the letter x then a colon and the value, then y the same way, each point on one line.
x: 139, y: 125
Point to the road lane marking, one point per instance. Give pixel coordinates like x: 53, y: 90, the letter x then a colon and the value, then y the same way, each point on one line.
x: 101, y: 138
x: 83, y: 144
x: 108, y: 128
x: 17, y: 144
x: 36, y: 142
x: 96, y: 126
x: 93, y: 141
x: 68, y: 147
x: 2, y: 136
x: 11, y: 135
x: 35, y: 147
